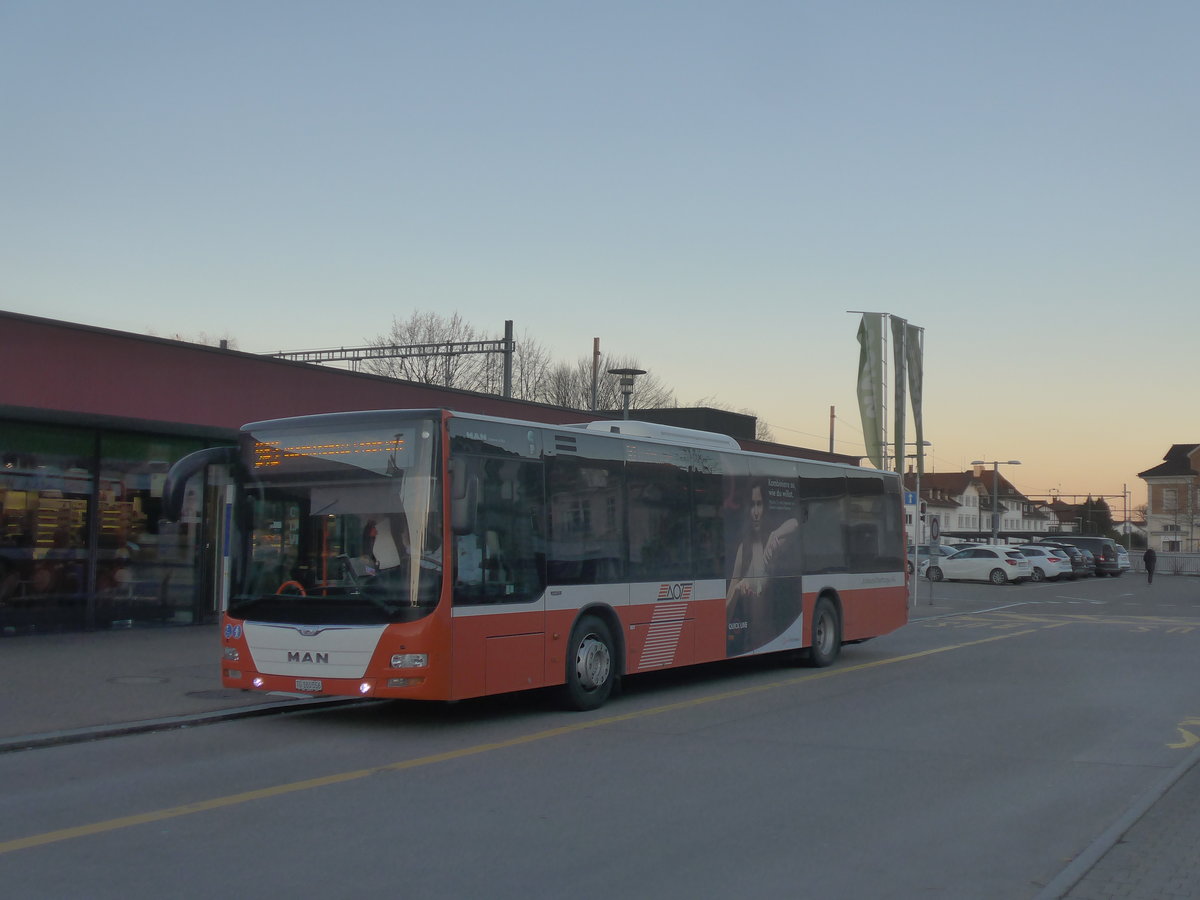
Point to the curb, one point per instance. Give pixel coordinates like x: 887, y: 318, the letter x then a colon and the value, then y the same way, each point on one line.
x: 1062, y: 884
x: 166, y: 723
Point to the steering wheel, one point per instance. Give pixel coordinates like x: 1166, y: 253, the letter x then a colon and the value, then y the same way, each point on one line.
x: 292, y: 584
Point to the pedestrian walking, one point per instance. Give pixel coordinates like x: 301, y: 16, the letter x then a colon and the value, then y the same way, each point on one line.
x: 1150, y: 558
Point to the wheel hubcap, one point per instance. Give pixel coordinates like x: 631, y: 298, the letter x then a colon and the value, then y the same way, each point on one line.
x: 824, y: 634
x: 593, y: 663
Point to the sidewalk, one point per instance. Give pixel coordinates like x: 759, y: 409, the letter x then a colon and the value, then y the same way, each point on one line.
x: 59, y: 688
x: 73, y: 687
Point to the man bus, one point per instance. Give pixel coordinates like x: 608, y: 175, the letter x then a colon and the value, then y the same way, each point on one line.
x: 430, y: 554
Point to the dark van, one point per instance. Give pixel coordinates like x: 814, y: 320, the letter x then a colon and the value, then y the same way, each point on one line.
x: 1104, y: 549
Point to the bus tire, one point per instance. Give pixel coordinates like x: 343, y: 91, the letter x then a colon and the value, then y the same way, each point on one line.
x: 591, y: 665
x: 826, y: 634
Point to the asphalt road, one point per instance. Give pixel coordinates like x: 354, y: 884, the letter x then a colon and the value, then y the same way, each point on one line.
x: 973, y: 754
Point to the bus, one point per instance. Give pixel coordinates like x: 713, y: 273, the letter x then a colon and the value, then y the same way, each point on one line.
x: 438, y: 555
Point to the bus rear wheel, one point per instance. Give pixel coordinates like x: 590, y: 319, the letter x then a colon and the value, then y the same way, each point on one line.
x: 826, y: 634
x: 591, y: 665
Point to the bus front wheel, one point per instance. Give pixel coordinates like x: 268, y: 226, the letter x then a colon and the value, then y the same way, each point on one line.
x: 591, y: 665
x: 826, y: 634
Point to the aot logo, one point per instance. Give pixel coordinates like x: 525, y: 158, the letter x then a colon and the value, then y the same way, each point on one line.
x: 675, y: 591
x: 296, y: 656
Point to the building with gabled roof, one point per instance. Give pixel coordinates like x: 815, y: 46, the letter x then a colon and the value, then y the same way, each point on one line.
x: 1173, y: 500
x: 962, y: 501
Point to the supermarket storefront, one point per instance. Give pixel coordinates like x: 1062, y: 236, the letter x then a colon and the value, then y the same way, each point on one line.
x: 82, y: 545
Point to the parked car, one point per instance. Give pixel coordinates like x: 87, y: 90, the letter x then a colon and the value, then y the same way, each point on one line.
x: 1049, y: 563
x: 1089, y: 560
x: 1123, y: 558
x: 1103, y: 549
x: 1080, y: 567
x: 923, y: 553
x: 999, y: 564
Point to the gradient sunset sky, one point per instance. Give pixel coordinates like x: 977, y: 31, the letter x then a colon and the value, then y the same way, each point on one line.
x: 707, y: 187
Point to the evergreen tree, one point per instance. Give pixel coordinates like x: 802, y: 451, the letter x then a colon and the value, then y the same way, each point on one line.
x: 1096, y: 518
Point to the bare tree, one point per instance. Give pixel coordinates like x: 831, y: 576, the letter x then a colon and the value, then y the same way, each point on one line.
x: 649, y: 392
x: 530, y: 366
x: 560, y: 387
x: 570, y: 384
x: 465, y: 371
x: 535, y: 376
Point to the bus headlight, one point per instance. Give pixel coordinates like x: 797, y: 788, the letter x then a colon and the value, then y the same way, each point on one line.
x: 410, y: 660
x: 231, y: 653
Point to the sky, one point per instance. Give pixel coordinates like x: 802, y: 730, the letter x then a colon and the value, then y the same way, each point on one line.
x: 707, y: 187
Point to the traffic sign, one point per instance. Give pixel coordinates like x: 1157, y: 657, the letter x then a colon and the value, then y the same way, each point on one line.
x: 935, y: 529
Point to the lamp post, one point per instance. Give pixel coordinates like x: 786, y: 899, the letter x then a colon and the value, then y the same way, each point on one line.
x: 996, y: 464
x: 627, y: 376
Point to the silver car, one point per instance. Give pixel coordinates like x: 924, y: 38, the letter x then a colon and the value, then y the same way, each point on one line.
x: 923, y: 554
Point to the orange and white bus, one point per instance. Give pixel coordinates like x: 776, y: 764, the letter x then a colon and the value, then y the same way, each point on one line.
x: 430, y: 554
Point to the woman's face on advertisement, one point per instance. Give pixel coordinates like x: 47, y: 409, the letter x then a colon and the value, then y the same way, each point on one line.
x: 757, y: 506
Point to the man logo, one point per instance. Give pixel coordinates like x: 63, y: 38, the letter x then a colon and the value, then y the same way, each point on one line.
x: 675, y: 592
x: 295, y: 656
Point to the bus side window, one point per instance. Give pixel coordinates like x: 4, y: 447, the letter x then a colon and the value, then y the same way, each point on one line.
x: 586, y: 543
x: 659, y: 504
x: 498, y: 559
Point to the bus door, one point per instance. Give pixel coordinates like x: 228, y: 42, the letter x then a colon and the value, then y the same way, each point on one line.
x: 499, y: 600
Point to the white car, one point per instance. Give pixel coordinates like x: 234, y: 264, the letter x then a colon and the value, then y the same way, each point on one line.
x: 1123, y: 558
x: 999, y: 564
x: 1048, y: 564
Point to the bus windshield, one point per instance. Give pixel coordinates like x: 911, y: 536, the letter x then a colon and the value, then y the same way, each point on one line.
x: 338, y: 526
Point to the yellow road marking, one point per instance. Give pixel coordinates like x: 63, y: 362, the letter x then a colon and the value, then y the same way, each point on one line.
x: 187, y: 809
x: 1190, y: 738
x: 997, y: 620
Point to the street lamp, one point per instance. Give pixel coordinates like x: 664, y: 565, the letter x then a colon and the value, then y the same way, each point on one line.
x: 996, y: 464
x: 627, y: 377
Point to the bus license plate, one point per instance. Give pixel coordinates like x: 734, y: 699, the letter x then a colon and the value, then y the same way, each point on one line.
x: 308, y: 684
